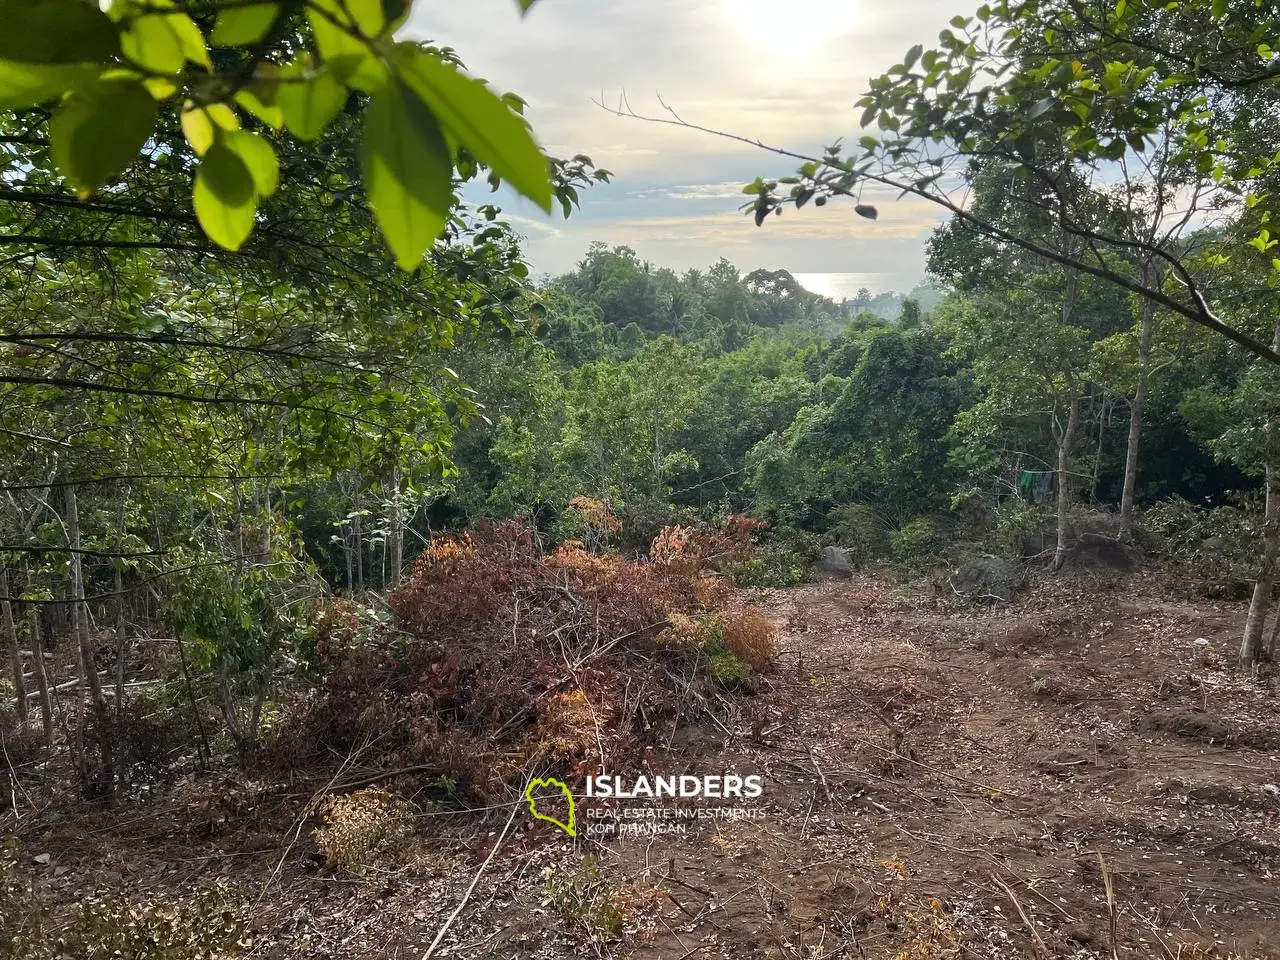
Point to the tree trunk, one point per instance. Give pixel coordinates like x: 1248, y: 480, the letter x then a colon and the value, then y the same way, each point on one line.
x: 1136, y: 408
x: 346, y: 554
x: 396, y: 533
x: 1260, y: 603
x: 121, y: 642
x: 1104, y: 418
x: 357, y: 533
x: 1065, y: 443
x: 80, y: 627
x: 42, y: 678
x: 15, y: 654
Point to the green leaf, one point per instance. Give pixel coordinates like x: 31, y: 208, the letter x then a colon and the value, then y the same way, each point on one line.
x: 98, y: 131
x: 200, y: 124
x: 243, y: 26
x: 525, y: 5
x: 268, y: 113
x: 259, y: 159
x: 56, y: 31
x: 407, y: 170
x: 28, y: 84
x: 309, y: 98
x: 224, y: 197
x: 260, y: 97
x: 335, y: 24
x: 163, y: 42
x: 479, y: 120
x: 913, y: 55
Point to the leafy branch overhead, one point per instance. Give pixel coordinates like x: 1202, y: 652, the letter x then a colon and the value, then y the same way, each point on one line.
x: 1056, y: 93
x: 239, y: 76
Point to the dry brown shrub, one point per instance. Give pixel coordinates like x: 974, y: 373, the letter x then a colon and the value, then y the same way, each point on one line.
x: 519, y: 661
x: 567, y: 728
x: 750, y: 636
x: 597, y: 515
x: 681, y: 632
x: 363, y: 827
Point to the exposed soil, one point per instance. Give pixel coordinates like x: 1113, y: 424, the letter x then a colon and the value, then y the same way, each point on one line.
x: 939, y: 781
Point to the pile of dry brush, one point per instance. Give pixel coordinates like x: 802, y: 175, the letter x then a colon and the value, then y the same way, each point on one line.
x: 511, y: 661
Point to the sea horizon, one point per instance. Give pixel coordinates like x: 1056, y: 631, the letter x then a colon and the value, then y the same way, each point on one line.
x: 845, y: 286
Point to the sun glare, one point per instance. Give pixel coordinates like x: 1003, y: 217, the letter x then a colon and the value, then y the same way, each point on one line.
x: 790, y: 29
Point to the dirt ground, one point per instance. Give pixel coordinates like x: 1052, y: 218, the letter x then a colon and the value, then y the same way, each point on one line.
x: 1081, y: 773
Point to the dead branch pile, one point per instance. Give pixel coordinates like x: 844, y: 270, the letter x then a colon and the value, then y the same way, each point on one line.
x: 512, y: 661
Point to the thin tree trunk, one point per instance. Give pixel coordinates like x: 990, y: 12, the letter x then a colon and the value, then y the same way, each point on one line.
x: 121, y: 633
x: 15, y: 654
x: 42, y: 678
x: 396, y: 543
x: 346, y: 554
x: 358, y: 533
x: 1260, y: 602
x: 202, y: 744
x: 80, y: 626
x: 1066, y: 442
x: 121, y: 642
x: 1104, y: 415
x: 1136, y: 408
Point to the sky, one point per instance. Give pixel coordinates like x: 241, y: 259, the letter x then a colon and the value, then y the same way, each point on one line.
x: 785, y: 72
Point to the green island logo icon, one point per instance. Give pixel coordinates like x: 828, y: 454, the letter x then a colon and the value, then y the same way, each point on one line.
x: 550, y: 782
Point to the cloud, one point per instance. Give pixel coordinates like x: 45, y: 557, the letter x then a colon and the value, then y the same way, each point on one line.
x: 733, y: 65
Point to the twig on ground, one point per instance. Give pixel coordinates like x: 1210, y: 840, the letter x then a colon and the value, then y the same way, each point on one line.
x: 1042, y: 951
x: 1111, y: 905
x: 471, y: 889
x: 821, y: 776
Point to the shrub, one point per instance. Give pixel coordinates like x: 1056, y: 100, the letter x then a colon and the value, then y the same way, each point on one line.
x: 584, y: 901
x: 1215, y: 549
x: 149, y: 737
x: 722, y: 666
x: 363, y: 827
x: 782, y: 559
x: 750, y: 636
x: 857, y: 527
x: 107, y: 925
x: 915, y: 544
x: 20, y: 743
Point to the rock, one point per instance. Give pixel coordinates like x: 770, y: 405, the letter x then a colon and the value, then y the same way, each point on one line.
x: 986, y: 578
x: 1271, y: 790
x: 41, y: 859
x: 837, y: 561
x: 1201, y: 642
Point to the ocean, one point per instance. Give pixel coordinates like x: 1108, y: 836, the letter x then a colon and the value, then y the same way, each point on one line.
x: 841, y: 286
